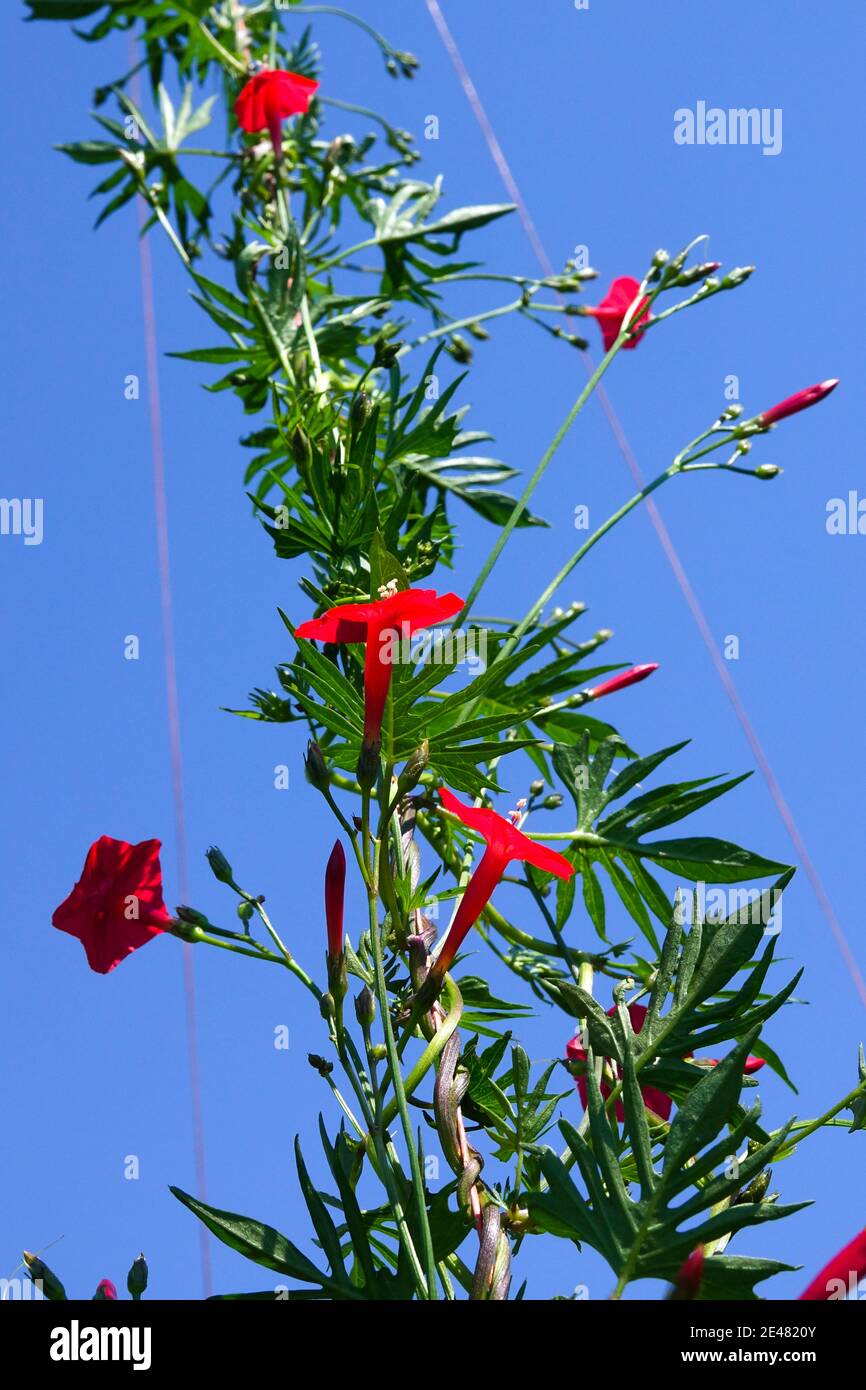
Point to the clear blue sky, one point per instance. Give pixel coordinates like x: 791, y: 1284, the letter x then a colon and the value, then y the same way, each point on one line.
x: 583, y: 102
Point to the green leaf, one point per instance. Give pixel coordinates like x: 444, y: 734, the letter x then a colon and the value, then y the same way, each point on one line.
x: 259, y: 1243
x: 707, y: 1107
x: 709, y: 860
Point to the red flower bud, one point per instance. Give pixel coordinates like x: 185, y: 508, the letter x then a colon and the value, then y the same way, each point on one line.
x: 841, y: 1275
x: 800, y: 401
x: 620, y: 682
x: 688, y: 1279
x: 105, y: 1289
x: 335, y: 883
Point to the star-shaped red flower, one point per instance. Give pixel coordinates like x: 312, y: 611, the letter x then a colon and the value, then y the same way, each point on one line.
x: 269, y: 97
x: 380, y: 623
x: 504, y: 843
x: 116, y: 906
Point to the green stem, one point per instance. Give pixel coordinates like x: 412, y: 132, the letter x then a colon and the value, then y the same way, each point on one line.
x: 454, y: 1001
x: 541, y: 469
x: 393, y: 1058
x: 544, y: 598
x: 457, y: 324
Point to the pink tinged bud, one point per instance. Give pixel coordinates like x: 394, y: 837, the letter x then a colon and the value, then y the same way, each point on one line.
x: 688, y: 1280
x: 841, y: 1275
x: 620, y: 682
x: 335, y: 883
x: 105, y: 1289
x: 802, y: 400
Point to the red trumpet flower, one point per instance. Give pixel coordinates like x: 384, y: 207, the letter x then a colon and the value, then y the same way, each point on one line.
x: 841, y: 1275
x: 613, y: 309
x: 116, y: 906
x: 381, y: 624
x: 801, y: 400
x: 268, y: 98
x: 622, y: 681
x: 504, y: 843
x: 335, y: 883
x: 657, y: 1101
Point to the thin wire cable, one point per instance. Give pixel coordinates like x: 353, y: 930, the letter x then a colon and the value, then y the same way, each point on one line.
x: 513, y: 189
x: 172, y: 706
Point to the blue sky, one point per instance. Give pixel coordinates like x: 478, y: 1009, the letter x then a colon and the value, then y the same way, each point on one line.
x: 584, y: 104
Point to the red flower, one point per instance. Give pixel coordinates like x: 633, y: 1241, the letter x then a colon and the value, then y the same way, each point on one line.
x: 844, y: 1271
x: 380, y: 624
x: 613, y: 309
x: 654, y: 1100
x: 335, y: 883
x: 504, y: 843
x: 802, y: 400
x: 270, y: 96
x: 116, y: 906
x: 105, y: 1289
x: 622, y: 681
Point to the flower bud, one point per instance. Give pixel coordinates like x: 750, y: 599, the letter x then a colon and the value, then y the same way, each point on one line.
x: 220, y: 866
x: 185, y: 931
x: 42, y: 1275
x: 409, y: 64
x: 801, y: 400
x: 620, y: 682
x: 536, y: 787
x: 192, y: 917
x: 335, y: 884
x: 414, y: 767
x: 386, y: 351
x: 695, y: 273
x: 319, y: 1064
x: 737, y: 276
x: 105, y: 1290
x: 756, y: 1190
x: 365, y: 1007
x: 368, y: 764
x: 552, y: 802
x: 767, y: 470
x: 245, y: 911
x: 688, y: 1279
x: 459, y: 349
x: 136, y: 1279
x: 302, y: 450
x: 478, y: 331
x: 362, y: 409
x: 315, y: 767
